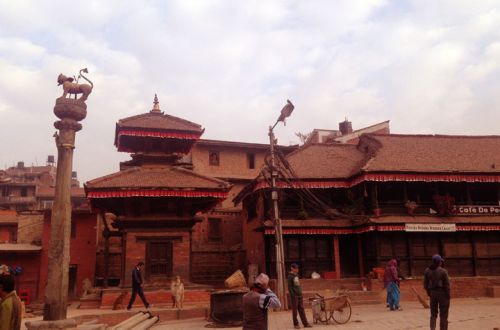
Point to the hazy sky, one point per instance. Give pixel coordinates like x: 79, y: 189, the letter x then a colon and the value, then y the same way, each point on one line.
x: 428, y: 66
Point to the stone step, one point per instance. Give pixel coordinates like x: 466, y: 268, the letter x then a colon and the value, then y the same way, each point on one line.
x: 493, y: 291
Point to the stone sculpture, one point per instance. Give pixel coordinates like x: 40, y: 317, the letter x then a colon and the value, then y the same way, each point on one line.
x: 70, y: 87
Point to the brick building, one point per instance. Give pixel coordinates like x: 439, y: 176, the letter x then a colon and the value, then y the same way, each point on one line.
x: 26, y: 198
x: 407, y: 196
x: 216, y: 248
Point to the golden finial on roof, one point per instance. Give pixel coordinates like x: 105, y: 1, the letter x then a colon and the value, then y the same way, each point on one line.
x: 156, y: 105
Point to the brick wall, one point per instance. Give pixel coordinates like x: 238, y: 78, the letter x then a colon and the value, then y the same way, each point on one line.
x: 232, y: 161
x: 213, y: 267
x: 136, y: 251
x: 30, y: 263
x: 461, y: 287
x: 253, y: 244
x: 82, y: 250
x: 231, y: 235
x: 30, y: 228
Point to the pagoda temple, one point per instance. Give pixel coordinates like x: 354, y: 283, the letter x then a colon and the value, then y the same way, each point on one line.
x: 155, y: 201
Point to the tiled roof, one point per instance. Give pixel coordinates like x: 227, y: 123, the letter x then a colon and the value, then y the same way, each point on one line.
x: 321, y: 161
x: 434, y: 153
x: 393, y: 219
x: 156, y: 177
x: 159, y: 121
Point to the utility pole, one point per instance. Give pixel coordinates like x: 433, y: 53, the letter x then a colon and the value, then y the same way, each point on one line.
x: 278, y: 230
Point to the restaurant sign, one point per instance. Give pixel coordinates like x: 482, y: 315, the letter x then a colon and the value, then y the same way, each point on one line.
x: 474, y: 209
x: 431, y: 227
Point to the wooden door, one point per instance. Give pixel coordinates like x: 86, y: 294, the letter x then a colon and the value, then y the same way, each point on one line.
x: 159, y: 259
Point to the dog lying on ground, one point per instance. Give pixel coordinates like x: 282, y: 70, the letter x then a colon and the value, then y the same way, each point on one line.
x: 118, y: 304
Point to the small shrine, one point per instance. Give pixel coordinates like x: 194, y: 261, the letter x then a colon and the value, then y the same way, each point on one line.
x: 155, y: 200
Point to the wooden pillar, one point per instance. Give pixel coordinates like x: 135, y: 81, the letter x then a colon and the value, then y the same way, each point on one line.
x: 336, y: 253
x: 106, y: 257
x: 409, y: 253
x: 124, y: 258
x: 360, y: 257
x: 474, y: 253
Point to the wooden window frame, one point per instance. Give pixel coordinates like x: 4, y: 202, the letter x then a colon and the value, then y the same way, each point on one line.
x: 213, y: 158
x: 251, y: 160
x: 218, y: 236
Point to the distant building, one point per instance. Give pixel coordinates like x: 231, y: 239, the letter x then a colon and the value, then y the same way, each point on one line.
x: 26, y: 199
x: 345, y: 133
x: 32, y: 188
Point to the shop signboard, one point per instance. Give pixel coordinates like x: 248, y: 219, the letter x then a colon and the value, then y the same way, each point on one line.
x: 431, y: 227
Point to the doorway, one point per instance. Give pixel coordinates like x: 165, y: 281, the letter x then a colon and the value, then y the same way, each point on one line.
x: 348, y: 249
x: 159, y: 259
x: 73, y: 270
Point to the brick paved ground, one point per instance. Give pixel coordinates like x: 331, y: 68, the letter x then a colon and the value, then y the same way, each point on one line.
x: 481, y: 313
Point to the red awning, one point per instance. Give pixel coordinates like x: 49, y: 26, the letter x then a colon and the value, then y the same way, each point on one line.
x: 343, y: 231
x: 155, y: 193
x: 158, y: 134
x: 385, y: 177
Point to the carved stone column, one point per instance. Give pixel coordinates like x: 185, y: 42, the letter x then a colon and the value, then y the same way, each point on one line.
x: 70, y: 111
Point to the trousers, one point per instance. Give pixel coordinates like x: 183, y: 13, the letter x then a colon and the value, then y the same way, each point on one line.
x: 137, y: 291
x: 298, y: 306
x: 440, y: 302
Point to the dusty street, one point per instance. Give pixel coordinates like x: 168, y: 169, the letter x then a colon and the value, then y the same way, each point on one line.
x: 481, y: 313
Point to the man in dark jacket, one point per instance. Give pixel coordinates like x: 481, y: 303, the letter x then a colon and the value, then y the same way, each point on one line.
x: 137, y: 286
x: 296, y: 300
x: 257, y: 302
x: 437, y: 285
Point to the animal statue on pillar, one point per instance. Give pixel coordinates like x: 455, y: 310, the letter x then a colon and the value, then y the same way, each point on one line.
x: 74, y: 88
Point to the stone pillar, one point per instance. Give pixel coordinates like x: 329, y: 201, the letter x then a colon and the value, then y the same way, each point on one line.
x: 70, y: 111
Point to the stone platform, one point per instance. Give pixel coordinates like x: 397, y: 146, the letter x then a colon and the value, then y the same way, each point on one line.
x: 194, y: 295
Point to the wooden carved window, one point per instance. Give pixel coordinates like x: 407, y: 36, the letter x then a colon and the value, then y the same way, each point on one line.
x: 214, y: 158
x: 214, y: 230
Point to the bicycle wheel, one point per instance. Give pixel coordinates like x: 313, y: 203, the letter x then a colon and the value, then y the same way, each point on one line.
x: 342, y: 315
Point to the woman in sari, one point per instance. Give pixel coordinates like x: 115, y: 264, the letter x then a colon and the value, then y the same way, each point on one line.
x: 391, y: 283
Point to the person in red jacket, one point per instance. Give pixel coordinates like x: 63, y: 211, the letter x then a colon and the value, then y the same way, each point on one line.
x: 391, y: 283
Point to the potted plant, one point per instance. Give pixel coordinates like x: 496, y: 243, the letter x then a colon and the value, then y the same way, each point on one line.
x: 302, y: 215
x: 410, y: 206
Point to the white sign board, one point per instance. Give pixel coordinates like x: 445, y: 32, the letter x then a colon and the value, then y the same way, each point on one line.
x: 430, y: 227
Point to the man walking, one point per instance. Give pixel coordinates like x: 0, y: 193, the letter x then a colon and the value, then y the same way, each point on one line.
x: 257, y: 302
x: 137, y: 286
x: 10, y: 308
x: 296, y: 300
x: 437, y: 285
